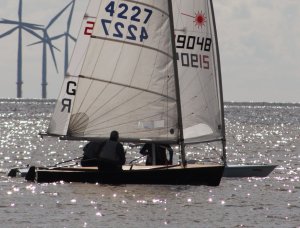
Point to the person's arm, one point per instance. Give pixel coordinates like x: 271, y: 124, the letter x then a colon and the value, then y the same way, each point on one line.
x: 169, y: 148
x: 121, y: 153
x: 145, y: 149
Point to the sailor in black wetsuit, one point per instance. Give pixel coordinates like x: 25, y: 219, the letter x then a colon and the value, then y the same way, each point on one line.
x: 160, y: 154
x: 91, y: 154
x: 112, y: 155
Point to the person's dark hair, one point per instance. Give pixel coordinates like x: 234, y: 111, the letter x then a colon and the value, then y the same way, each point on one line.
x: 114, y: 136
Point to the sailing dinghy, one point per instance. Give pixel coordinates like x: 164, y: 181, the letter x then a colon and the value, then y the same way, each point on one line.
x: 125, y: 75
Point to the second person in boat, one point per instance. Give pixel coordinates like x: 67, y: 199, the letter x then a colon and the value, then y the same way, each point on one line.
x: 156, y: 154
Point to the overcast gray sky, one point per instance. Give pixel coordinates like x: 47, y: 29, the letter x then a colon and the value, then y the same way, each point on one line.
x: 259, y: 46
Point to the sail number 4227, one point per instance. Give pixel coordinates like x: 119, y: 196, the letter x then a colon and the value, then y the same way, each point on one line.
x: 124, y: 12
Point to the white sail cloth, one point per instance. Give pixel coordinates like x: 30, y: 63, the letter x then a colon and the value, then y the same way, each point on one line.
x: 124, y: 59
x: 127, y: 79
x: 60, y: 119
x: 198, y: 70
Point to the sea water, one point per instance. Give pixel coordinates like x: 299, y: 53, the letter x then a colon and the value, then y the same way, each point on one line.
x: 256, y: 133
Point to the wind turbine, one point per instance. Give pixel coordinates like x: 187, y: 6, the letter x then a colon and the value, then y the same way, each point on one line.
x: 67, y: 36
x: 47, y: 40
x: 20, y: 26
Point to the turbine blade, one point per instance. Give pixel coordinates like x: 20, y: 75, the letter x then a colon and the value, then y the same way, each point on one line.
x: 32, y: 26
x: 8, y: 32
x: 53, y: 58
x: 35, y: 43
x: 9, y: 22
x: 58, y: 15
x: 33, y: 33
x: 57, y: 37
x: 70, y: 16
x: 72, y: 37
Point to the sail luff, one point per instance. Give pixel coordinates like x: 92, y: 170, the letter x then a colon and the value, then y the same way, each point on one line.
x: 220, y: 86
x: 64, y: 105
x: 177, y: 86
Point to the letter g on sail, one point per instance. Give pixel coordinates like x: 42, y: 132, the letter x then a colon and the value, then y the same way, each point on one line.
x: 71, y: 88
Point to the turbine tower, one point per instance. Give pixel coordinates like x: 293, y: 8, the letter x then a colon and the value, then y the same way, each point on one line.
x: 20, y: 26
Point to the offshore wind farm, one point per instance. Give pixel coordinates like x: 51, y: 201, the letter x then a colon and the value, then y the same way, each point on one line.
x: 257, y: 63
x: 52, y: 40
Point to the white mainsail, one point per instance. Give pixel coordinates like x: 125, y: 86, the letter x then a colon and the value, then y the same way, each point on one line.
x: 127, y: 79
x: 127, y: 73
x: 199, y: 71
x: 60, y: 119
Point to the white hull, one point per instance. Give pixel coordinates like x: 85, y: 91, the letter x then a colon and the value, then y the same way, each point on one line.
x: 248, y: 170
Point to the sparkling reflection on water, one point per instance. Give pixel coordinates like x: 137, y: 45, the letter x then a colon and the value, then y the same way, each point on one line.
x: 256, y: 133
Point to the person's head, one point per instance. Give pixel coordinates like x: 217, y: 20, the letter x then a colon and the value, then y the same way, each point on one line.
x: 114, y: 136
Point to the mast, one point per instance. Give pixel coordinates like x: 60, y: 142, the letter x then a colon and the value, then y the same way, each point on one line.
x: 220, y: 86
x: 180, y: 125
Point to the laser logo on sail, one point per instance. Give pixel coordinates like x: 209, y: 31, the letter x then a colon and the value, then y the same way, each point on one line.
x: 199, y: 18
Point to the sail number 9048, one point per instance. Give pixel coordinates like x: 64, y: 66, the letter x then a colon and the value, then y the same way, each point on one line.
x: 193, y: 45
x: 192, y: 42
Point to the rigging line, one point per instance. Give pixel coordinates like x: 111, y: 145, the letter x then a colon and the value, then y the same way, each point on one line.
x: 128, y: 86
x: 144, y: 4
x: 133, y: 44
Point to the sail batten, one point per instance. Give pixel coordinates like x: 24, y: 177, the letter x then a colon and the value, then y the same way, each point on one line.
x: 128, y: 86
x: 130, y: 43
